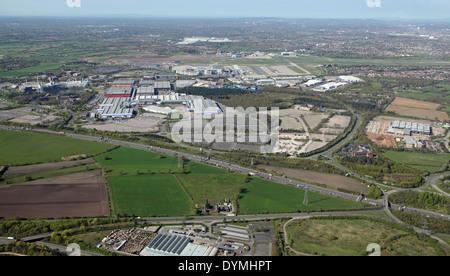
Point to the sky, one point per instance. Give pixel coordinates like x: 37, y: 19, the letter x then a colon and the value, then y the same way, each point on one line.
x: 361, y: 9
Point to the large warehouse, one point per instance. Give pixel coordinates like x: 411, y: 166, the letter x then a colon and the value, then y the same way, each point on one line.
x: 409, y: 128
x: 120, y: 92
x: 196, y: 104
x: 123, y: 83
x: 115, y: 108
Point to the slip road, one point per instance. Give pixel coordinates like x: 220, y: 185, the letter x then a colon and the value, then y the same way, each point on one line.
x: 226, y: 266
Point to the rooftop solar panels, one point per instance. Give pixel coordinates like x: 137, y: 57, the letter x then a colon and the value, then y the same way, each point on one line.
x: 166, y: 244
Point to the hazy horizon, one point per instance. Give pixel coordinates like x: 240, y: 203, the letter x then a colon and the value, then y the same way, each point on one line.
x: 428, y: 10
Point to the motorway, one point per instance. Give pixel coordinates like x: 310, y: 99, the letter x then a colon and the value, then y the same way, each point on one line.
x: 278, y: 179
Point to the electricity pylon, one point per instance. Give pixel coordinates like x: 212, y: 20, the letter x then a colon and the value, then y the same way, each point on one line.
x: 305, y: 199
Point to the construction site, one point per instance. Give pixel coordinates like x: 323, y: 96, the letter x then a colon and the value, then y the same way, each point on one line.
x: 390, y: 132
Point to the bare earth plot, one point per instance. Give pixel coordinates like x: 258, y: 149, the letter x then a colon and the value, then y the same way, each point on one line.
x: 331, y: 180
x: 17, y: 171
x: 339, y: 121
x: 75, y: 195
x: 14, y: 113
x: 140, y: 124
x: 34, y: 120
x: 323, y: 137
x: 313, y: 120
x: 382, y: 140
x: 313, y: 145
x: 289, y: 123
x: 419, y: 109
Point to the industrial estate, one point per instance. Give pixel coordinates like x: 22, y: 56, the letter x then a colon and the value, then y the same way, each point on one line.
x: 197, y: 137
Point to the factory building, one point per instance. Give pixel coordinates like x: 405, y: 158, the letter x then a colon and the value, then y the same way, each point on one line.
x: 174, y: 245
x: 123, y: 83
x: 329, y: 86
x: 162, y: 110
x: 312, y: 83
x: 265, y: 82
x: 408, y: 128
x: 115, y: 107
x: 146, y: 83
x: 196, y: 104
x: 162, y: 87
x: 143, y: 92
x: 78, y: 84
x: 120, y: 92
x: 350, y: 79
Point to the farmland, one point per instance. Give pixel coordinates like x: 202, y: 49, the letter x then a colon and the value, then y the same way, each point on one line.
x: 131, y: 161
x: 143, y: 195
x: 143, y: 183
x: 51, y: 187
x: 418, y: 109
x: 263, y: 196
x: 213, y: 188
x: 140, y: 182
x: 430, y: 162
x: 74, y: 195
x: 22, y: 148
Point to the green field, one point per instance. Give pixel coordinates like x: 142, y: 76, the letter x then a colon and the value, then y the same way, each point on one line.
x: 148, y: 184
x: 144, y: 184
x: 149, y: 195
x: 30, y: 70
x: 430, y: 162
x: 212, y: 187
x: 129, y: 161
x: 351, y: 237
x: 261, y: 196
x: 137, y: 167
x: 22, y: 148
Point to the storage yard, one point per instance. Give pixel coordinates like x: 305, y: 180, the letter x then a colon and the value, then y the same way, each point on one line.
x: 190, y: 241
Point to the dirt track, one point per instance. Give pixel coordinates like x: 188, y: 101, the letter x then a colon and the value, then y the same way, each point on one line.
x: 75, y: 195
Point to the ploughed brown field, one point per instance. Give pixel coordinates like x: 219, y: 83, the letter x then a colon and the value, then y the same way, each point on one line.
x: 416, y: 108
x: 76, y: 195
x: 330, y: 180
x: 17, y: 171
